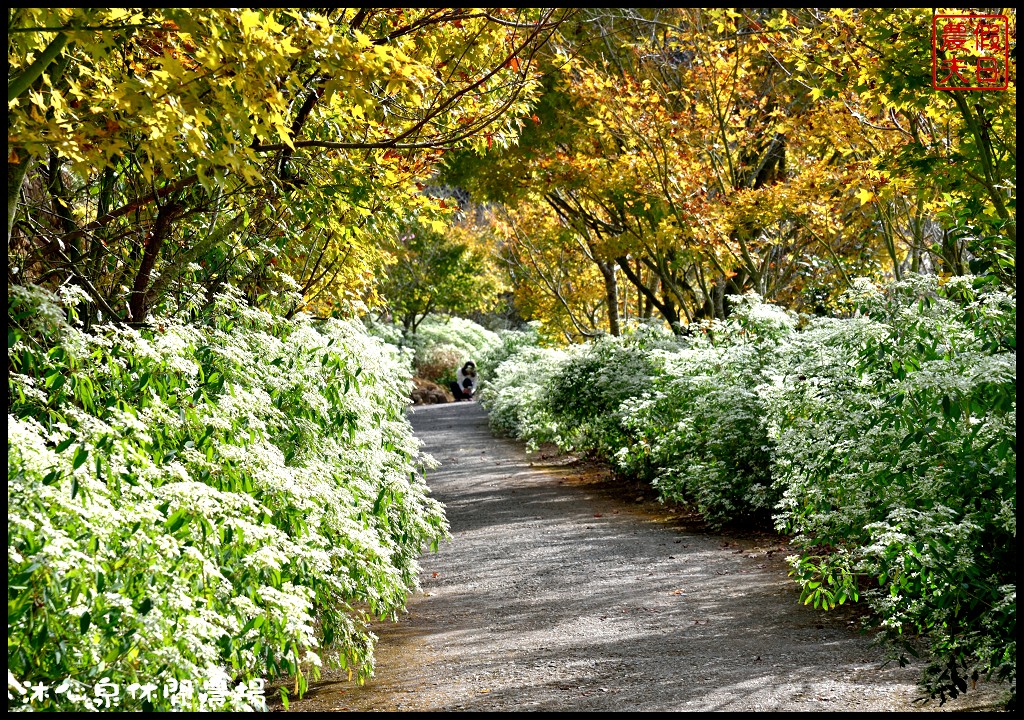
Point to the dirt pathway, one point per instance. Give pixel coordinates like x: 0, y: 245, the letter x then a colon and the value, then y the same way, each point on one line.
x: 556, y: 593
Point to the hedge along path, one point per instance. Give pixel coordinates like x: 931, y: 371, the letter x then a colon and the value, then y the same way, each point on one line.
x: 557, y: 593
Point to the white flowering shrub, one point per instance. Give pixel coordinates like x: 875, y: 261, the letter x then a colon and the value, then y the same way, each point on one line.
x: 884, y: 442
x: 752, y: 316
x: 389, y: 332
x: 701, y: 434
x: 585, y: 397
x: 896, y: 456
x: 440, y: 345
x: 509, y: 343
x: 515, y: 397
x: 701, y: 438
x: 650, y: 334
x: 228, y: 500
x: 466, y: 337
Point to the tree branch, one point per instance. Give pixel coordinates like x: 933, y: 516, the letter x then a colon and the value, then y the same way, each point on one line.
x: 32, y: 73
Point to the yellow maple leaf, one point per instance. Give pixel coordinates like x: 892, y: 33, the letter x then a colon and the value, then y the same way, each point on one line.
x: 249, y: 20
x: 865, y: 196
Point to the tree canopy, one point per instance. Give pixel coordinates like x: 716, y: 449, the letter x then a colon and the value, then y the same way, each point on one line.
x: 690, y: 155
x: 154, y: 154
x: 643, y: 161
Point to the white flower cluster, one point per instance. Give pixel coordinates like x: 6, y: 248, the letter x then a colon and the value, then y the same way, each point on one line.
x: 884, y: 442
x: 238, y: 498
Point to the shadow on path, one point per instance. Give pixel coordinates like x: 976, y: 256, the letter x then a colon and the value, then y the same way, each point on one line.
x: 555, y: 595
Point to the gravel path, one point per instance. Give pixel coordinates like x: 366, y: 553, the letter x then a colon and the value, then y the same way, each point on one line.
x: 558, y: 593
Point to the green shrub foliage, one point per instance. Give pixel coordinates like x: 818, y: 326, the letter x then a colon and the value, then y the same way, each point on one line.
x: 898, y: 462
x: 462, y: 338
x: 883, y: 442
x: 441, y: 345
x: 509, y: 342
x: 516, y: 396
x: 228, y: 500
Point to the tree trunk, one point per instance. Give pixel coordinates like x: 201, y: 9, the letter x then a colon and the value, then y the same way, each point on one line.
x: 16, y: 173
x: 611, y: 291
x: 719, y: 298
x: 664, y: 305
x: 646, y: 306
x: 139, y: 299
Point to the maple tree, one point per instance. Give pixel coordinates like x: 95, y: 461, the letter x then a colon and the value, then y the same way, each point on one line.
x: 438, y: 272
x: 696, y: 154
x: 945, y: 156
x: 213, y: 143
x: 552, y: 275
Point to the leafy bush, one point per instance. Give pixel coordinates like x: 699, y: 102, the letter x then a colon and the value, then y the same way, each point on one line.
x: 701, y: 435
x: 650, y: 334
x: 441, y: 345
x: 439, y: 363
x: 515, y: 396
x: 509, y: 343
x: 468, y: 338
x: 898, y: 463
x: 585, y: 395
x: 227, y: 500
x: 884, y: 442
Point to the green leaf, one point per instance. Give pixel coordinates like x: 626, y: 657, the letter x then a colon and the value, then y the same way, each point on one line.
x: 81, y: 455
x: 176, y: 520
x: 23, y: 576
x: 16, y: 609
x: 54, y: 379
x: 84, y: 622
x: 380, y: 500
x: 248, y: 626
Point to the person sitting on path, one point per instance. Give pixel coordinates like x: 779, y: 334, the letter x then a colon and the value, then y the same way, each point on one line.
x: 464, y: 384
